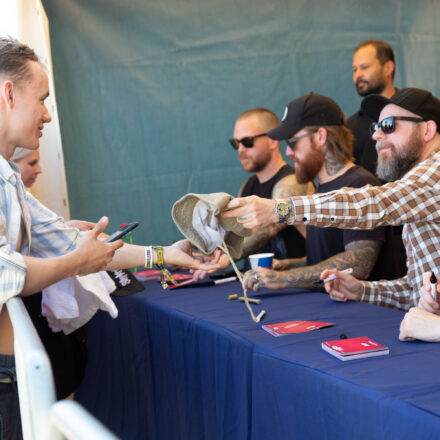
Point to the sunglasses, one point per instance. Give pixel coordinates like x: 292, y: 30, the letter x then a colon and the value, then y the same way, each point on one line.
x: 292, y: 141
x: 388, y: 125
x: 247, y: 142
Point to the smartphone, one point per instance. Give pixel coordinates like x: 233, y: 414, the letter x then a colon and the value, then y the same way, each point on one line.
x: 121, y: 232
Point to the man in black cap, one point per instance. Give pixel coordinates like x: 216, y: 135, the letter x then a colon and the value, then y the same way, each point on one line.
x: 321, y: 147
x: 408, y: 144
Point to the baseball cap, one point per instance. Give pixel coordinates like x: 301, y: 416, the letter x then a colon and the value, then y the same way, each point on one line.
x: 308, y: 110
x: 418, y: 101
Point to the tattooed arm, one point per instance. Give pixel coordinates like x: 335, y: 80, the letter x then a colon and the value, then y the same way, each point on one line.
x: 289, y: 263
x: 284, y: 188
x: 360, y: 255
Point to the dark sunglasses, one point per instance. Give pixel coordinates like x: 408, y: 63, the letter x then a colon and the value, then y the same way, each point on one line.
x: 247, y: 142
x: 388, y: 125
x: 292, y: 141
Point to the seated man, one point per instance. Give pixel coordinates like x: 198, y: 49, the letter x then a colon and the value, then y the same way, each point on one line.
x: 408, y: 143
x: 321, y: 147
x: 273, y: 179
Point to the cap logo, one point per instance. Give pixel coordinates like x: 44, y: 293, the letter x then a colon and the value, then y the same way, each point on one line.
x: 285, y: 114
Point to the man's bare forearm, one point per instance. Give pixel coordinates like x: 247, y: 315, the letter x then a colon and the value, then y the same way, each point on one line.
x: 43, y: 272
x: 259, y: 238
x: 359, y: 255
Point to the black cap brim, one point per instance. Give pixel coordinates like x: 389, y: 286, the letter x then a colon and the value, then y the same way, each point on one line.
x: 282, y: 132
x: 372, y: 105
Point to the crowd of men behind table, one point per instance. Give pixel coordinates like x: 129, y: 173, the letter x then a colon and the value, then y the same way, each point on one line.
x: 353, y: 180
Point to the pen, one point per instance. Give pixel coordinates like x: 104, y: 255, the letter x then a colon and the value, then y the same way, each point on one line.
x: 433, y: 282
x: 333, y: 277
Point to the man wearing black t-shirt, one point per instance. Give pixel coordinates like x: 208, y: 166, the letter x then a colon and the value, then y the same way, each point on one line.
x: 373, y: 72
x: 273, y: 178
x: 321, y: 147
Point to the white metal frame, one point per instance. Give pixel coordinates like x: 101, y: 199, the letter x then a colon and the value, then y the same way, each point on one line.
x: 41, y: 416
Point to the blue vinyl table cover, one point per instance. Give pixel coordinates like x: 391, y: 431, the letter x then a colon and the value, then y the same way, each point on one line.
x: 190, y: 364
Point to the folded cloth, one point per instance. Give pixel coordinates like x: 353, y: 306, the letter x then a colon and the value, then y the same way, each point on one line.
x: 198, y: 215
x: 72, y: 302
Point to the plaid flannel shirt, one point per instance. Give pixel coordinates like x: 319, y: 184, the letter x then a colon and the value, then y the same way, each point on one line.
x: 44, y: 233
x: 413, y: 201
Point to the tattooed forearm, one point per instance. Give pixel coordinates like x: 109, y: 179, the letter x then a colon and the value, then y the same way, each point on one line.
x: 259, y: 238
x: 359, y: 255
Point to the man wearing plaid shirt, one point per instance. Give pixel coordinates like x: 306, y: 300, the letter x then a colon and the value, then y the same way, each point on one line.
x: 408, y: 144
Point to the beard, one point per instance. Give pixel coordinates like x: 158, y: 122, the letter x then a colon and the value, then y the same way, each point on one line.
x: 254, y: 164
x: 365, y: 88
x: 308, y: 170
x: 399, y: 161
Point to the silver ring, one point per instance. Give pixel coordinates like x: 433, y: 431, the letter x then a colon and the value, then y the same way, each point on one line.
x: 242, y: 219
x: 257, y: 276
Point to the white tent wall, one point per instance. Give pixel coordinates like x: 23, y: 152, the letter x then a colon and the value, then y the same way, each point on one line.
x: 26, y: 21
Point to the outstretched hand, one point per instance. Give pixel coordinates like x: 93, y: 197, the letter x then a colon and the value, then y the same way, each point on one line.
x: 344, y: 287
x: 180, y: 254
x: 252, y: 212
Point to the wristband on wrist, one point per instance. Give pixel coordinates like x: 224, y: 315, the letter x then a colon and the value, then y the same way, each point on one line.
x: 148, y: 257
x: 165, y: 273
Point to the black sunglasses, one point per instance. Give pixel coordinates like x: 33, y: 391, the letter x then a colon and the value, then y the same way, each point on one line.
x: 388, y: 125
x: 291, y: 142
x: 247, y: 142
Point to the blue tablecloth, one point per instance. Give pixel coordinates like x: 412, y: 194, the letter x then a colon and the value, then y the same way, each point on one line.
x: 189, y: 364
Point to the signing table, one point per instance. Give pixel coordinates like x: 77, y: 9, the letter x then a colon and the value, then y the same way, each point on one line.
x: 188, y: 364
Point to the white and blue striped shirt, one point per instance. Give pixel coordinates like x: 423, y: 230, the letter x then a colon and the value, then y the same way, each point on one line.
x: 44, y: 233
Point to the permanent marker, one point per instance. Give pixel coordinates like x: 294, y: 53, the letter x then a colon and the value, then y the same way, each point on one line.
x: 433, y: 282
x: 333, y: 277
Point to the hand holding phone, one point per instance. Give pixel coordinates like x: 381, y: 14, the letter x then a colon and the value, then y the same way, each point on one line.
x: 121, y: 232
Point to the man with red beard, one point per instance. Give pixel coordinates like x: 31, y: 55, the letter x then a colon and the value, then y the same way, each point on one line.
x: 408, y: 122
x: 273, y: 179
x: 321, y: 147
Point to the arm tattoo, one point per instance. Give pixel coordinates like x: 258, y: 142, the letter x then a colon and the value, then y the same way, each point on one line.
x: 283, y: 189
x: 360, y: 255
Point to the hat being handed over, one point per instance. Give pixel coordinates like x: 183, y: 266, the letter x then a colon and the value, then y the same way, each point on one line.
x: 197, y: 217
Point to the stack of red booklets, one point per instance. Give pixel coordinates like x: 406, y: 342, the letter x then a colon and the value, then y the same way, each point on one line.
x: 355, y: 348
x: 285, y: 328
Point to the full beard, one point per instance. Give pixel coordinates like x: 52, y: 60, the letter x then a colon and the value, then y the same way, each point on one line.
x: 374, y: 87
x: 307, y: 171
x: 400, y: 161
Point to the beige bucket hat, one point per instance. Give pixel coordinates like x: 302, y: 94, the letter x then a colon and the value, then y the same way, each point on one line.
x: 197, y: 217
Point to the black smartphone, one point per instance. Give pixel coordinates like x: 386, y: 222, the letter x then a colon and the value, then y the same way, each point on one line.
x: 121, y: 232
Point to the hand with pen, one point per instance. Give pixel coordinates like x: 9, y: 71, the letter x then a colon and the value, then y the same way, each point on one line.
x: 429, y: 294
x: 343, y: 286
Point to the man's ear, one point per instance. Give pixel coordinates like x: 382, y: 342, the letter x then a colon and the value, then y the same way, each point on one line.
x: 429, y: 130
x: 389, y: 67
x: 8, y: 93
x: 322, y: 136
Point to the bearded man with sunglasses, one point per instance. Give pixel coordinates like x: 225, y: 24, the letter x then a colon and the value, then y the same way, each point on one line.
x: 273, y: 179
x: 408, y: 149
x: 321, y: 147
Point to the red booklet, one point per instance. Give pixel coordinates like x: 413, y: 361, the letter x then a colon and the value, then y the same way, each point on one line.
x: 285, y: 328
x: 355, y: 348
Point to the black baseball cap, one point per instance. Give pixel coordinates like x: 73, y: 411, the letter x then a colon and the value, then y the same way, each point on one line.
x: 418, y: 101
x: 308, y: 110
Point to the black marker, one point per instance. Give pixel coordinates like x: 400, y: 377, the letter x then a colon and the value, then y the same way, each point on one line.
x: 433, y: 282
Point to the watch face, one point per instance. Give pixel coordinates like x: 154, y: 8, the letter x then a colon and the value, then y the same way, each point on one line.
x: 283, y: 209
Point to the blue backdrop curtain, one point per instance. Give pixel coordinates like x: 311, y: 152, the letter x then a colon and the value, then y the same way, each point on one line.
x: 148, y: 91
